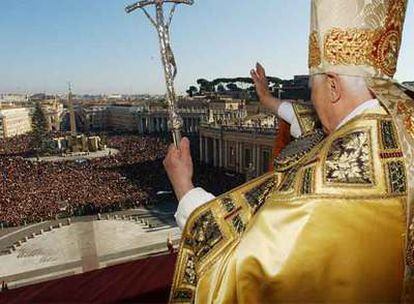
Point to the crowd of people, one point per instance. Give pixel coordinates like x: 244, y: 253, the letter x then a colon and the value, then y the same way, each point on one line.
x: 32, y: 191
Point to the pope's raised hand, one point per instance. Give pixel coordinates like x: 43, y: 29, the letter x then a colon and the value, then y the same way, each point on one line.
x: 262, y: 87
x: 179, y: 166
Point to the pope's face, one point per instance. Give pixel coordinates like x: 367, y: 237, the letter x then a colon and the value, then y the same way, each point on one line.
x: 320, y: 98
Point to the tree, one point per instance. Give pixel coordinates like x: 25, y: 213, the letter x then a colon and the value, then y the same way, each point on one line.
x: 192, y: 90
x: 40, y: 139
x: 220, y: 88
x: 274, y: 80
x: 205, y: 85
x: 232, y: 87
x: 244, y: 80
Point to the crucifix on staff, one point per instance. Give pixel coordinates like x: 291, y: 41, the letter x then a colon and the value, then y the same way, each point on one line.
x: 162, y: 25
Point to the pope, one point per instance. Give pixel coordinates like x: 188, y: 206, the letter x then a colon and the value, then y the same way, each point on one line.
x: 333, y: 221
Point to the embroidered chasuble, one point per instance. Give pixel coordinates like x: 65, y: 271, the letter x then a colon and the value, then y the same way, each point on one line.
x: 329, y: 228
x: 334, y: 221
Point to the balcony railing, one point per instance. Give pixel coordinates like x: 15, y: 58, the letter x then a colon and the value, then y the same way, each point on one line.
x: 240, y: 129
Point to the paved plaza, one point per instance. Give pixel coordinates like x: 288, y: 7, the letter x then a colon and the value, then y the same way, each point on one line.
x: 61, y: 248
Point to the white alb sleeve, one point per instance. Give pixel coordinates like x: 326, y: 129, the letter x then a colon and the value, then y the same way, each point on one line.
x: 189, y: 202
x: 286, y: 112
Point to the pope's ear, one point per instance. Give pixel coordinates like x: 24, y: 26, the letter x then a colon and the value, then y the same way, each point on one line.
x: 334, y: 85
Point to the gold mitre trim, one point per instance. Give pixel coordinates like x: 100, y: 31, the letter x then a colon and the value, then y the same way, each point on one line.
x: 356, y: 37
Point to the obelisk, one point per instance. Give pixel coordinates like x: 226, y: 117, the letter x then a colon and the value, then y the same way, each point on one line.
x: 71, y: 113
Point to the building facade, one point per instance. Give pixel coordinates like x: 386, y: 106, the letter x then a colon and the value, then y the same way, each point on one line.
x: 245, y: 148
x: 233, y: 135
x: 14, y: 122
x: 142, y: 117
x: 53, y: 110
x: 10, y: 99
x: 96, y: 117
x: 153, y: 118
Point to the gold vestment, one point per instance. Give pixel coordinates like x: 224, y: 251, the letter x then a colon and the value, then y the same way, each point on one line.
x: 330, y: 228
x: 336, y: 222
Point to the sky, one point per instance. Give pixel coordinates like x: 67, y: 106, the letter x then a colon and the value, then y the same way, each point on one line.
x: 100, y: 49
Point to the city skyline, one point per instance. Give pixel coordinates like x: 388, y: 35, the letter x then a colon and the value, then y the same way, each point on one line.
x: 102, y: 50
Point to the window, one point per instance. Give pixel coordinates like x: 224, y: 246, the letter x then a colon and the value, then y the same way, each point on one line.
x: 232, y: 156
x: 265, y: 161
x: 247, y: 157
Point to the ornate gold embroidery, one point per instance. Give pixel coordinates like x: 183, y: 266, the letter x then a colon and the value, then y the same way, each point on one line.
x: 387, y: 52
x: 296, y: 150
x: 408, y: 113
x: 401, y: 108
x: 354, y: 149
x: 232, y: 214
x: 205, y: 234
x: 409, y: 257
x: 375, y: 14
x: 307, y: 117
x: 349, y: 160
x: 396, y: 14
x: 387, y: 45
x: 228, y: 204
x: 182, y: 295
x: 238, y: 224
x: 363, y: 47
x: 308, y: 181
x: 397, y: 178
x: 289, y: 180
x: 190, y: 275
x: 351, y: 46
x: 389, y: 140
x: 213, y: 227
x: 378, y: 48
x: 258, y: 195
x: 314, y: 50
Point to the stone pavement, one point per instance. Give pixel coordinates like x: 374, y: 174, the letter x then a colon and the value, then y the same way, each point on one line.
x: 54, y: 249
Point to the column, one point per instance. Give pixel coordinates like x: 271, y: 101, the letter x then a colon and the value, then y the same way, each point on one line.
x: 226, y: 152
x: 238, y: 158
x: 241, y: 158
x: 215, y: 156
x: 201, y: 148
x: 149, y: 125
x: 161, y: 124
x: 259, y: 165
x: 221, y: 153
x: 139, y: 124
x: 254, y: 159
x: 206, y: 150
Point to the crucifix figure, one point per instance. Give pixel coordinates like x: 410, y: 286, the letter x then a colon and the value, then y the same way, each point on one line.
x: 162, y: 25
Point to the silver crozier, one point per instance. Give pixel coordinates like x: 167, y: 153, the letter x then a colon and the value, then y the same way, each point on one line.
x: 170, y: 68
